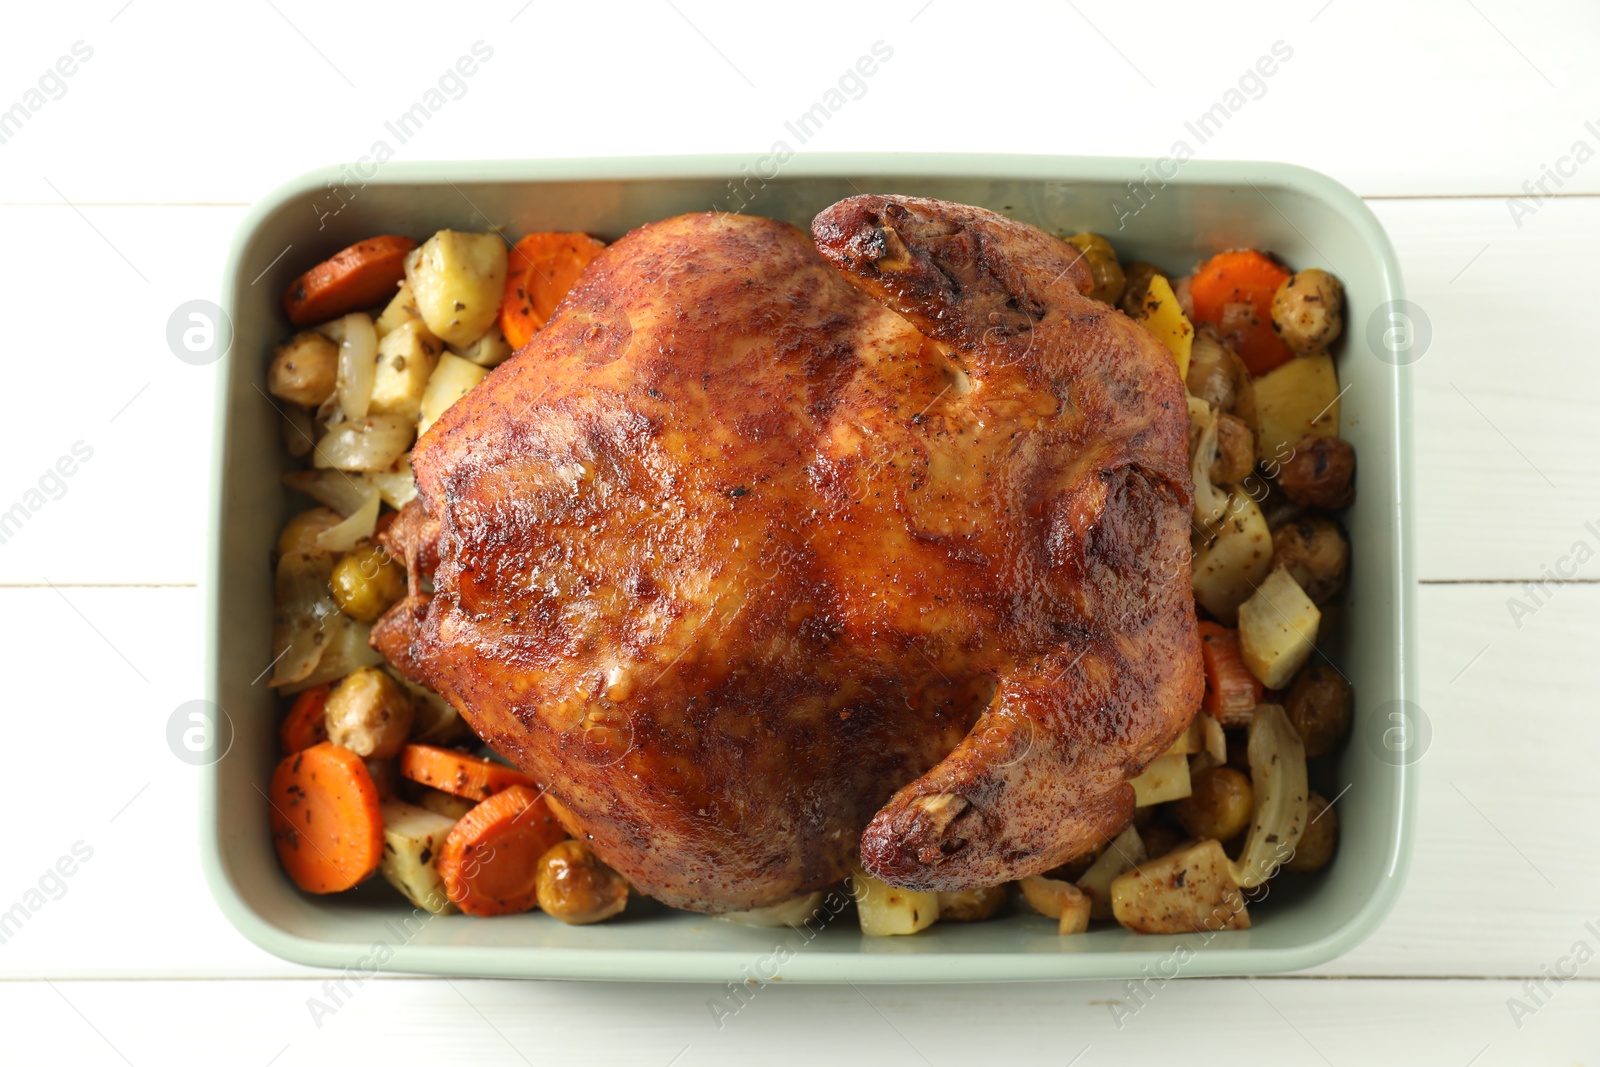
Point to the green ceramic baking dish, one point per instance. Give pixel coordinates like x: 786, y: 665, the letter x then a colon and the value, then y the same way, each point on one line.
x: 1157, y: 210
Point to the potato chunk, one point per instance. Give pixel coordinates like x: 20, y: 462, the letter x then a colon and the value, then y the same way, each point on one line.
x: 458, y: 279
x: 1299, y: 398
x: 370, y: 714
x: 1277, y: 629
x: 1227, y: 571
x: 407, y: 356
x: 411, y: 840
x: 1166, y: 778
x: 886, y: 910
x: 304, y: 369
x: 1188, y: 890
x: 1163, y: 317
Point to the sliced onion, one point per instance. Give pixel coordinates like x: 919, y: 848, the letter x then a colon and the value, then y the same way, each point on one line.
x: 399, y: 486
x: 354, y: 529
x: 302, y: 611
x: 1278, y: 777
x: 1210, y: 503
x: 793, y: 912
x: 344, y: 650
x: 369, y: 444
x: 342, y: 491
x: 358, y: 365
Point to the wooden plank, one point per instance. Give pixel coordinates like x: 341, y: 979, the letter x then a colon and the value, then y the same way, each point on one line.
x: 1289, y: 1021
x: 1499, y: 884
x: 1472, y: 98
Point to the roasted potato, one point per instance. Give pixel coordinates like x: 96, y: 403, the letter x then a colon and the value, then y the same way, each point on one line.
x: 300, y: 533
x: 458, y: 280
x: 1277, y: 629
x: 451, y: 380
x: 1319, y: 473
x: 401, y: 309
x: 1109, y: 281
x: 1319, y: 839
x: 573, y: 885
x: 1236, y: 451
x: 1124, y: 851
x: 1062, y: 901
x: 1227, y: 570
x: 406, y: 358
x: 370, y: 714
x: 304, y: 369
x: 1320, y: 705
x: 1163, y: 317
x: 1315, y: 553
x: 971, y: 905
x: 1190, y: 889
x: 490, y: 350
x: 1219, y: 805
x: 1165, y: 778
x: 1308, y: 310
x: 366, y: 582
x: 886, y: 911
x: 1294, y: 401
x: 1137, y: 276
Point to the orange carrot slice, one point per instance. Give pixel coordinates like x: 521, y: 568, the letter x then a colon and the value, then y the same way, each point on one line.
x: 364, y: 274
x: 325, y: 820
x: 1232, y: 692
x: 306, y: 724
x: 458, y: 773
x: 1232, y: 291
x: 541, y: 269
x: 490, y: 859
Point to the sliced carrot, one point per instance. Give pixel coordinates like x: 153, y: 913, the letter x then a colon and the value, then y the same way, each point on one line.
x: 458, y: 773
x: 325, y: 819
x: 541, y: 269
x: 1232, y: 291
x: 307, y: 723
x: 490, y: 859
x: 364, y: 274
x: 1232, y: 692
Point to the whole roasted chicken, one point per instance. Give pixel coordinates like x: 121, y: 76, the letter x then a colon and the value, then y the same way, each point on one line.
x: 766, y: 554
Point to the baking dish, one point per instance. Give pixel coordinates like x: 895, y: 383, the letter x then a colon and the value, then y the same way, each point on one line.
x: 1168, y: 213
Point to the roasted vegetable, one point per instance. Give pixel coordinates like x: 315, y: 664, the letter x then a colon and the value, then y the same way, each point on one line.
x: 406, y: 358
x: 1233, y: 293
x: 369, y: 714
x: 1166, y: 778
x: 1227, y: 571
x: 1125, y: 851
x: 412, y: 837
x: 373, y: 443
x: 1277, y: 629
x: 1298, y: 399
x: 1137, y: 275
x: 1315, y: 848
x: 324, y: 815
x: 304, y: 369
x: 451, y: 380
x: 575, y: 886
x: 1278, y: 780
x: 887, y: 911
x: 364, y: 274
x: 1062, y: 901
x: 786, y: 913
x: 457, y: 279
x: 366, y: 582
x: 1109, y: 281
x: 1236, y: 451
x: 1219, y: 805
x: 490, y: 858
x: 1320, y: 473
x: 1163, y: 317
x: 1320, y: 705
x: 1308, y: 310
x: 971, y: 905
x: 1189, y: 889
x: 300, y: 533
x: 1315, y: 553
x: 1232, y: 692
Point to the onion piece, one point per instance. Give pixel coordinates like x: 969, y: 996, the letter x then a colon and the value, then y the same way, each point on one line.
x: 1210, y: 503
x: 1278, y: 776
x: 302, y: 609
x: 358, y: 366
x: 342, y: 491
x: 369, y: 444
x: 354, y: 529
x: 344, y: 650
x: 793, y: 912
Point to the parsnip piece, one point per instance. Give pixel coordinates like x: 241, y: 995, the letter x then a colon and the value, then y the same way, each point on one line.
x: 1166, y: 778
x: 1277, y: 629
x: 1190, y: 889
x: 887, y: 911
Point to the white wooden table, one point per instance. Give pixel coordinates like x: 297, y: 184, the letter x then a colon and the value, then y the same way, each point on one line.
x: 118, y: 193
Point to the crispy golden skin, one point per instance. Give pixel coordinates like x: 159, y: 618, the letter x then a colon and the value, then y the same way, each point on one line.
x: 732, y: 554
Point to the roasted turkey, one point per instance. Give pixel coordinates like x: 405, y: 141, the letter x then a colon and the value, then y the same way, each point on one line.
x: 767, y: 554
